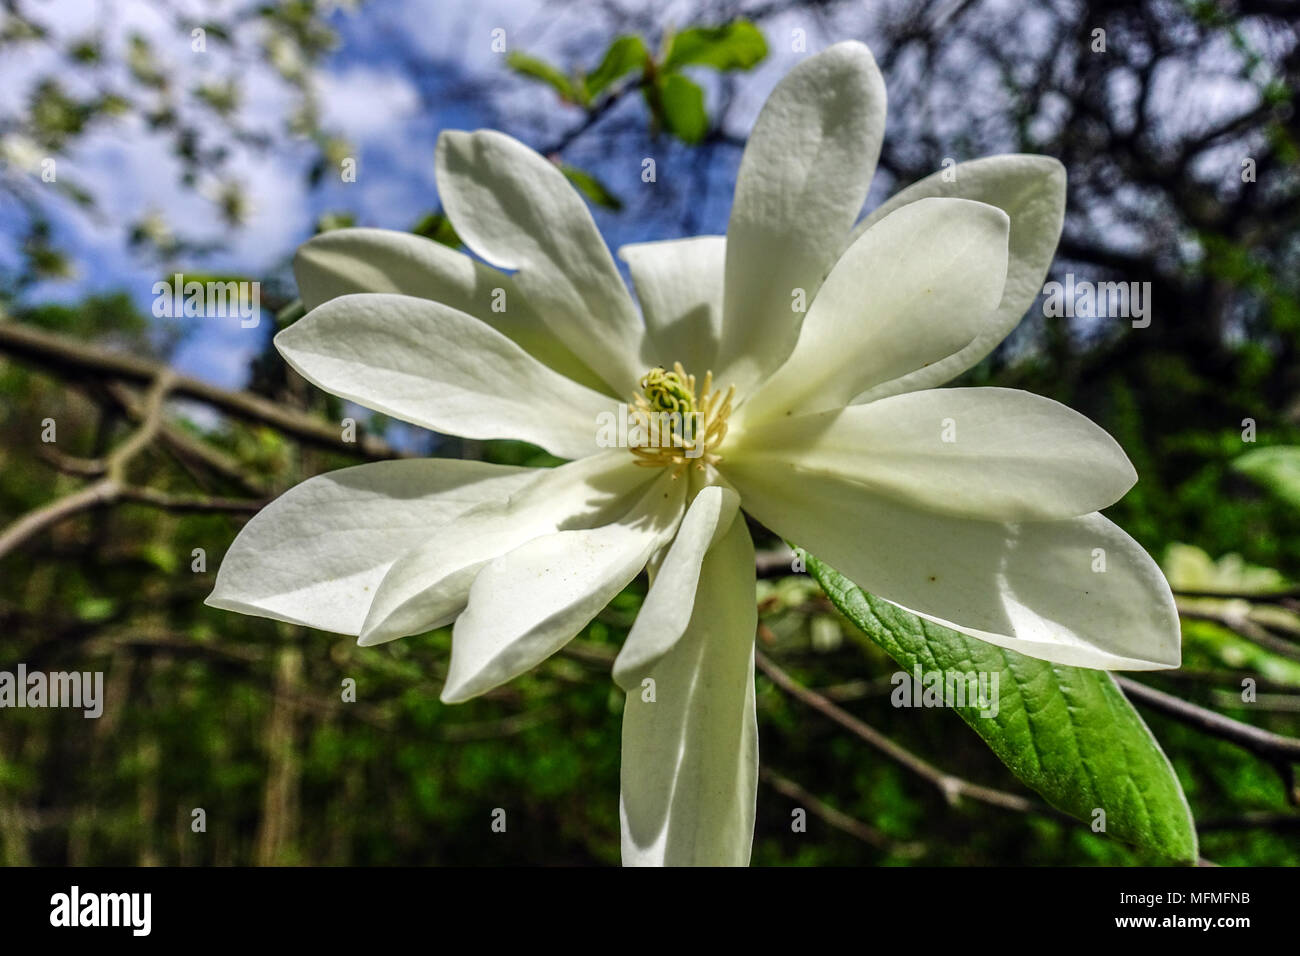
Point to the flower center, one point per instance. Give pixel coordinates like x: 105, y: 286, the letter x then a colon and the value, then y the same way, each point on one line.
x: 678, y: 425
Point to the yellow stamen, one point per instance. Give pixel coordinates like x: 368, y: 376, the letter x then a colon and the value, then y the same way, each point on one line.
x: 697, y: 421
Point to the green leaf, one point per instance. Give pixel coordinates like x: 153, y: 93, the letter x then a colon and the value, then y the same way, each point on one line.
x: 738, y: 45
x: 683, y: 107
x: 1067, y: 732
x: 96, y: 608
x: 552, y: 76
x: 162, y: 558
x: 1189, y: 568
x: 591, y: 187
x: 625, y: 54
x: 438, y: 227
x: 1276, y: 468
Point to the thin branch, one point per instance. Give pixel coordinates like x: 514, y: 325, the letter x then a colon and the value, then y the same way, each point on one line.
x: 1243, y: 626
x: 112, y: 487
x: 1282, y: 753
x: 594, y: 115
x: 1252, y: 821
x: 1216, y: 677
x: 836, y: 818
x: 953, y: 788
x: 188, y: 447
x: 67, y: 356
x: 775, y: 563
x: 185, y: 503
x: 101, y: 492
x: 1259, y: 597
x: 71, y: 464
x: 150, y: 422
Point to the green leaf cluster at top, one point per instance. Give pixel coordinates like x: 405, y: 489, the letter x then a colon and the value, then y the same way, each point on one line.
x: 675, y: 101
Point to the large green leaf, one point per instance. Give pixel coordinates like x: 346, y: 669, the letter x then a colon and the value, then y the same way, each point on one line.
x: 625, y: 54
x: 734, y: 46
x: 1276, y: 468
x: 1067, y: 732
x: 683, y: 107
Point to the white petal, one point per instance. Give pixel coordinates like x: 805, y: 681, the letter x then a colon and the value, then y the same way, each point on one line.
x: 348, y: 261
x: 668, y: 606
x: 517, y: 211
x: 429, y: 364
x: 801, y: 184
x: 912, y: 290
x: 996, y: 454
x: 526, y: 605
x: 317, y: 553
x: 1031, y: 190
x: 679, y: 283
x: 690, y: 756
x: 1037, y: 587
x: 429, y: 585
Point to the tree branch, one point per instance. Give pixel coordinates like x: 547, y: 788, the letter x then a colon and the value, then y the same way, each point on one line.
x: 69, y: 357
x: 836, y: 818
x: 113, y: 487
x: 953, y: 788
x: 1282, y: 753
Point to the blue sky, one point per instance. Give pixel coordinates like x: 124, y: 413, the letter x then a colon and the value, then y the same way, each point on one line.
x: 405, y: 70
x: 392, y: 112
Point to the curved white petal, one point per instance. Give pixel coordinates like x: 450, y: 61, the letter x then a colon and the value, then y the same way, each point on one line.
x: 1031, y: 190
x: 690, y: 751
x: 317, y: 553
x: 679, y: 284
x: 348, y: 261
x: 429, y: 364
x: 429, y: 585
x: 913, y: 289
x: 526, y: 605
x: 996, y: 454
x: 1078, y: 591
x: 668, y: 606
x: 517, y: 211
x: 801, y: 184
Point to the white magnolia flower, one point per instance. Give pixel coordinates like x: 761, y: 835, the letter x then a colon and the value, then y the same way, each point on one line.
x: 974, y: 507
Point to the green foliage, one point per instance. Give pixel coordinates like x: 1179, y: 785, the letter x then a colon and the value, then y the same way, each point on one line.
x: 683, y: 107
x: 675, y: 102
x: 591, y: 187
x: 1276, y: 468
x: 625, y: 55
x: 1067, y: 732
x: 438, y: 227
x: 1189, y: 568
x: 738, y: 45
x: 538, y: 69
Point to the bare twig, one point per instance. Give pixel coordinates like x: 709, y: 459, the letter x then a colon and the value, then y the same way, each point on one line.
x: 67, y: 356
x: 188, y: 447
x: 1282, y: 753
x: 953, y: 788
x: 1242, y: 625
x: 101, y: 492
x: 1274, y: 703
x: 1259, y: 597
x: 113, y: 486
x: 72, y: 465
x: 774, y: 563
x: 198, y: 503
x: 836, y: 818
x: 1253, y: 821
